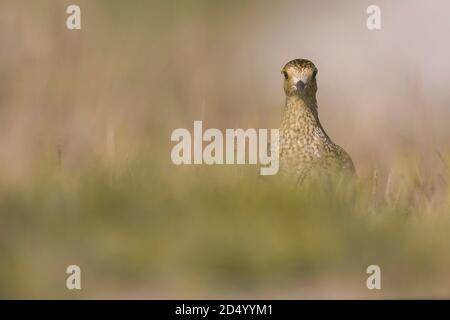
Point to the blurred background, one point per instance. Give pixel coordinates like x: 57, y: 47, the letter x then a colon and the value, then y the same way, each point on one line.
x: 85, y: 171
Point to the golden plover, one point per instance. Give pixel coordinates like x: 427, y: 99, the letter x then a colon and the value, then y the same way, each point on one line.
x: 305, y: 148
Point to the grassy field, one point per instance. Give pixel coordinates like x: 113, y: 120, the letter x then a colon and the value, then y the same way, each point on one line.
x: 85, y: 172
x: 146, y: 229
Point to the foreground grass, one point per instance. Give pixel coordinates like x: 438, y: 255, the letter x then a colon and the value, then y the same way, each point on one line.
x: 143, y: 230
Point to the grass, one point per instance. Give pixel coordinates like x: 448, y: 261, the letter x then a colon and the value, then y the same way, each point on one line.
x: 146, y: 228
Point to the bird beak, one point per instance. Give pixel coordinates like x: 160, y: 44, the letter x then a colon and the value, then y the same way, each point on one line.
x: 300, y: 85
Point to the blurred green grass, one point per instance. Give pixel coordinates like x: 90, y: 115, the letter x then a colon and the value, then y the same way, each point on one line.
x: 147, y: 228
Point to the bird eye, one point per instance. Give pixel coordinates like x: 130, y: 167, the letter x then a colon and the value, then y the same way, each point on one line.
x: 285, y: 75
x: 314, y: 74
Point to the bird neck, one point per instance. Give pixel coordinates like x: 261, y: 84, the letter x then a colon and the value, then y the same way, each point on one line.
x: 300, y: 114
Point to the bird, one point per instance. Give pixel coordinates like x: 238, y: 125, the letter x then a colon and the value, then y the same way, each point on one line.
x: 305, y: 149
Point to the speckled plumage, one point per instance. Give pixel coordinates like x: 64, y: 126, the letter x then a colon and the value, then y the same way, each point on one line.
x: 305, y: 148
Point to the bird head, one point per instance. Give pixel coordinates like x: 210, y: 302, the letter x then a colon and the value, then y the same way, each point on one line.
x: 300, y: 78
